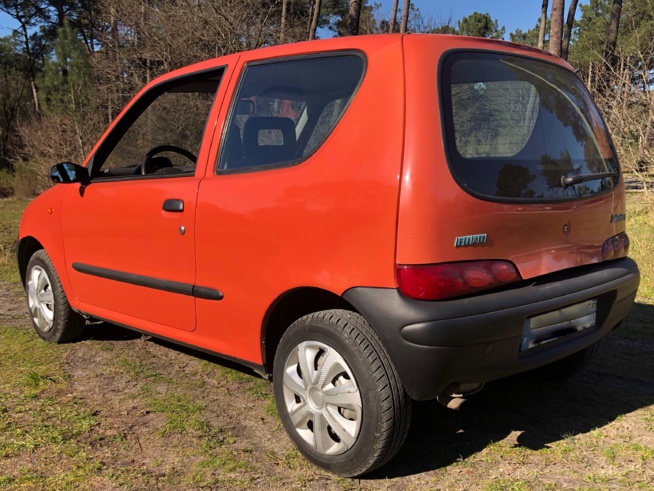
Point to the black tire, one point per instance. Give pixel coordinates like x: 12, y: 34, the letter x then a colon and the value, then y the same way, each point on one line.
x: 52, y: 317
x: 353, y: 356
x: 567, y: 367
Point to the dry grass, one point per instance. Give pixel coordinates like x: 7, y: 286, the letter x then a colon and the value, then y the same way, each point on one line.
x: 10, y: 211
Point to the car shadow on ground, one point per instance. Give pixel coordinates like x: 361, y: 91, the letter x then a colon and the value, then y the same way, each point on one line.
x: 105, y: 331
x: 619, y: 381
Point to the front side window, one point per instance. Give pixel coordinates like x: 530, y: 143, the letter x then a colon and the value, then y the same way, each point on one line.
x: 162, y: 133
x: 284, y: 110
x: 516, y: 128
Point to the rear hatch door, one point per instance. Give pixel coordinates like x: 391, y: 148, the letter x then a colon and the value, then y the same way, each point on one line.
x: 516, y: 164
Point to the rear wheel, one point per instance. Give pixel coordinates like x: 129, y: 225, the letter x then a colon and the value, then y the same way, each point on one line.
x: 337, y: 393
x: 53, y: 318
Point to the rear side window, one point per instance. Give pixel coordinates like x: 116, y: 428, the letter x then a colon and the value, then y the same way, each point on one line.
x: 285, y: 110
x: 516, y: 126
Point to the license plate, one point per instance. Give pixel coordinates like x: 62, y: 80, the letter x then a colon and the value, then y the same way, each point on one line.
x: 548, y: 327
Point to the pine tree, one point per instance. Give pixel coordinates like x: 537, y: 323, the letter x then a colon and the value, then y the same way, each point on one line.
x: 480, y: 25
x: 67, y: 84
x: 556, y: 26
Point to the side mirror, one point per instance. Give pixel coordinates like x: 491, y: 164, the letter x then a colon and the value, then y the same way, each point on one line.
x: 67, y: 173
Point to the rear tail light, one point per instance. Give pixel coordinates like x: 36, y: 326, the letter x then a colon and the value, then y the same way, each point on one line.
x: 615, y: 247
x: 440, y: 281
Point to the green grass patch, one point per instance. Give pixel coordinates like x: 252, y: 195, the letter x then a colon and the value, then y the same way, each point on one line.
x: 50, y: 439
x: 507, y: 485
x: 181, y: 412
x: 27, y: 363
x: 648, y: 417
x: 137, y: 369
x: 228, y: 460
x: 640, y: 227
x: 37, y: 421
x: 256, y: 387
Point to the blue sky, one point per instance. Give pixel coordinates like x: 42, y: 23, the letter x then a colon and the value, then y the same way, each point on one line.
x: 512, y: 14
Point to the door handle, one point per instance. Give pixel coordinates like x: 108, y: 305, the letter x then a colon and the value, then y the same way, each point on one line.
x: 173, y: 205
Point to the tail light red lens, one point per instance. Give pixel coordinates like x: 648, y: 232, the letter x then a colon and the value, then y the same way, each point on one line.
x: 615, y: 247
x: 477, y: 277
x: 440, y: 281
x: 504, y: 272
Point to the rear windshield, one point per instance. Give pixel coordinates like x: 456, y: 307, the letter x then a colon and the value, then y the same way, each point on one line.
x: 516, y: 126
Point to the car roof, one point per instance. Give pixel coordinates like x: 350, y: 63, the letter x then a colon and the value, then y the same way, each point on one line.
x: 368, y: 42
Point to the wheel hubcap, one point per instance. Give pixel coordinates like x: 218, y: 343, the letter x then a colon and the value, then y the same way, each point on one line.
x: 40, y: 298
x: 322, y: 398
x: 317, y: 399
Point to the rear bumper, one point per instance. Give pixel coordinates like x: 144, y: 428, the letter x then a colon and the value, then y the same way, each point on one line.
x: 478, y: 339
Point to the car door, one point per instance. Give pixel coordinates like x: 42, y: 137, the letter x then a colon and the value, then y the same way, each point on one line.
x: 126, y: 255
x: 129, y: 234
x: 275, y: 212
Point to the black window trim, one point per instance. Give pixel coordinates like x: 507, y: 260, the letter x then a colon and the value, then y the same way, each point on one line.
x: 268, y: 61
x: 137, y: 109
x: 447, y: 129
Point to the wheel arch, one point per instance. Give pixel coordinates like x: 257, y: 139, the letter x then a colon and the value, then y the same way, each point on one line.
x: 25, y: 250
x: 289, y: 307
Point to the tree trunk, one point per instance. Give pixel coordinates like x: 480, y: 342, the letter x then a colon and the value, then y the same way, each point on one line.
x: 353, y: 17
x: 405, y: 16
x: 145, y: 42
x: 311, y: 8
x: 556, y: 26
x: 89, y: 32
x: 61, y: 15
x: 567, y: 29
x: 612, y: 35
x: 282, y: 28
x: 30, y: 62
x: 314, y: 20
x: 626, y: 84
x: 543, y: 23
x: 589, y: 83
x: 391, y: 27
x: 644, y: 143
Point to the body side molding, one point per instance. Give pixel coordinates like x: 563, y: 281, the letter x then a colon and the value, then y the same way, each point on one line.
x: 149, y: 282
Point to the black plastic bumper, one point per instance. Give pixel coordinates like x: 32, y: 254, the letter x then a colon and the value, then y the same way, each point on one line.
x: 478, y: 339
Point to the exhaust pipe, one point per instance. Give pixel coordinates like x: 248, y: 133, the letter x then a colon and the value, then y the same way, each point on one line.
x: 455, y: 395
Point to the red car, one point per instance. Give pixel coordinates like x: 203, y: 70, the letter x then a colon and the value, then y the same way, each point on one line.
x: 365, y: 220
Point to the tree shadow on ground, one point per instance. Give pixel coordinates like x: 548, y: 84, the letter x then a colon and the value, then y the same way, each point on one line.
x: 618, y: 381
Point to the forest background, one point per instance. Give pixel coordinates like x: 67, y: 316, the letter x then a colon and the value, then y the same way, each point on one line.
x: 118, y: 410
x: 69, y: 66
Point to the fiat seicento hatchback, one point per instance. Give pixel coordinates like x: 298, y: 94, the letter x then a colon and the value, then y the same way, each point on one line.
x: 365, y: 220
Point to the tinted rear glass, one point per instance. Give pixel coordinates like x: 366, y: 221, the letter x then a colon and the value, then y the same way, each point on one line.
x: 515, y: 126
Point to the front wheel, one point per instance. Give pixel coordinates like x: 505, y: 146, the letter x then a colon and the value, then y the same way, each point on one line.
x: 337, y: 393
x: 53, y: 318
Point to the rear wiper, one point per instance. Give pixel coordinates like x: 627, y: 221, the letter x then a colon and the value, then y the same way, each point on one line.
x: 570, y: 180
